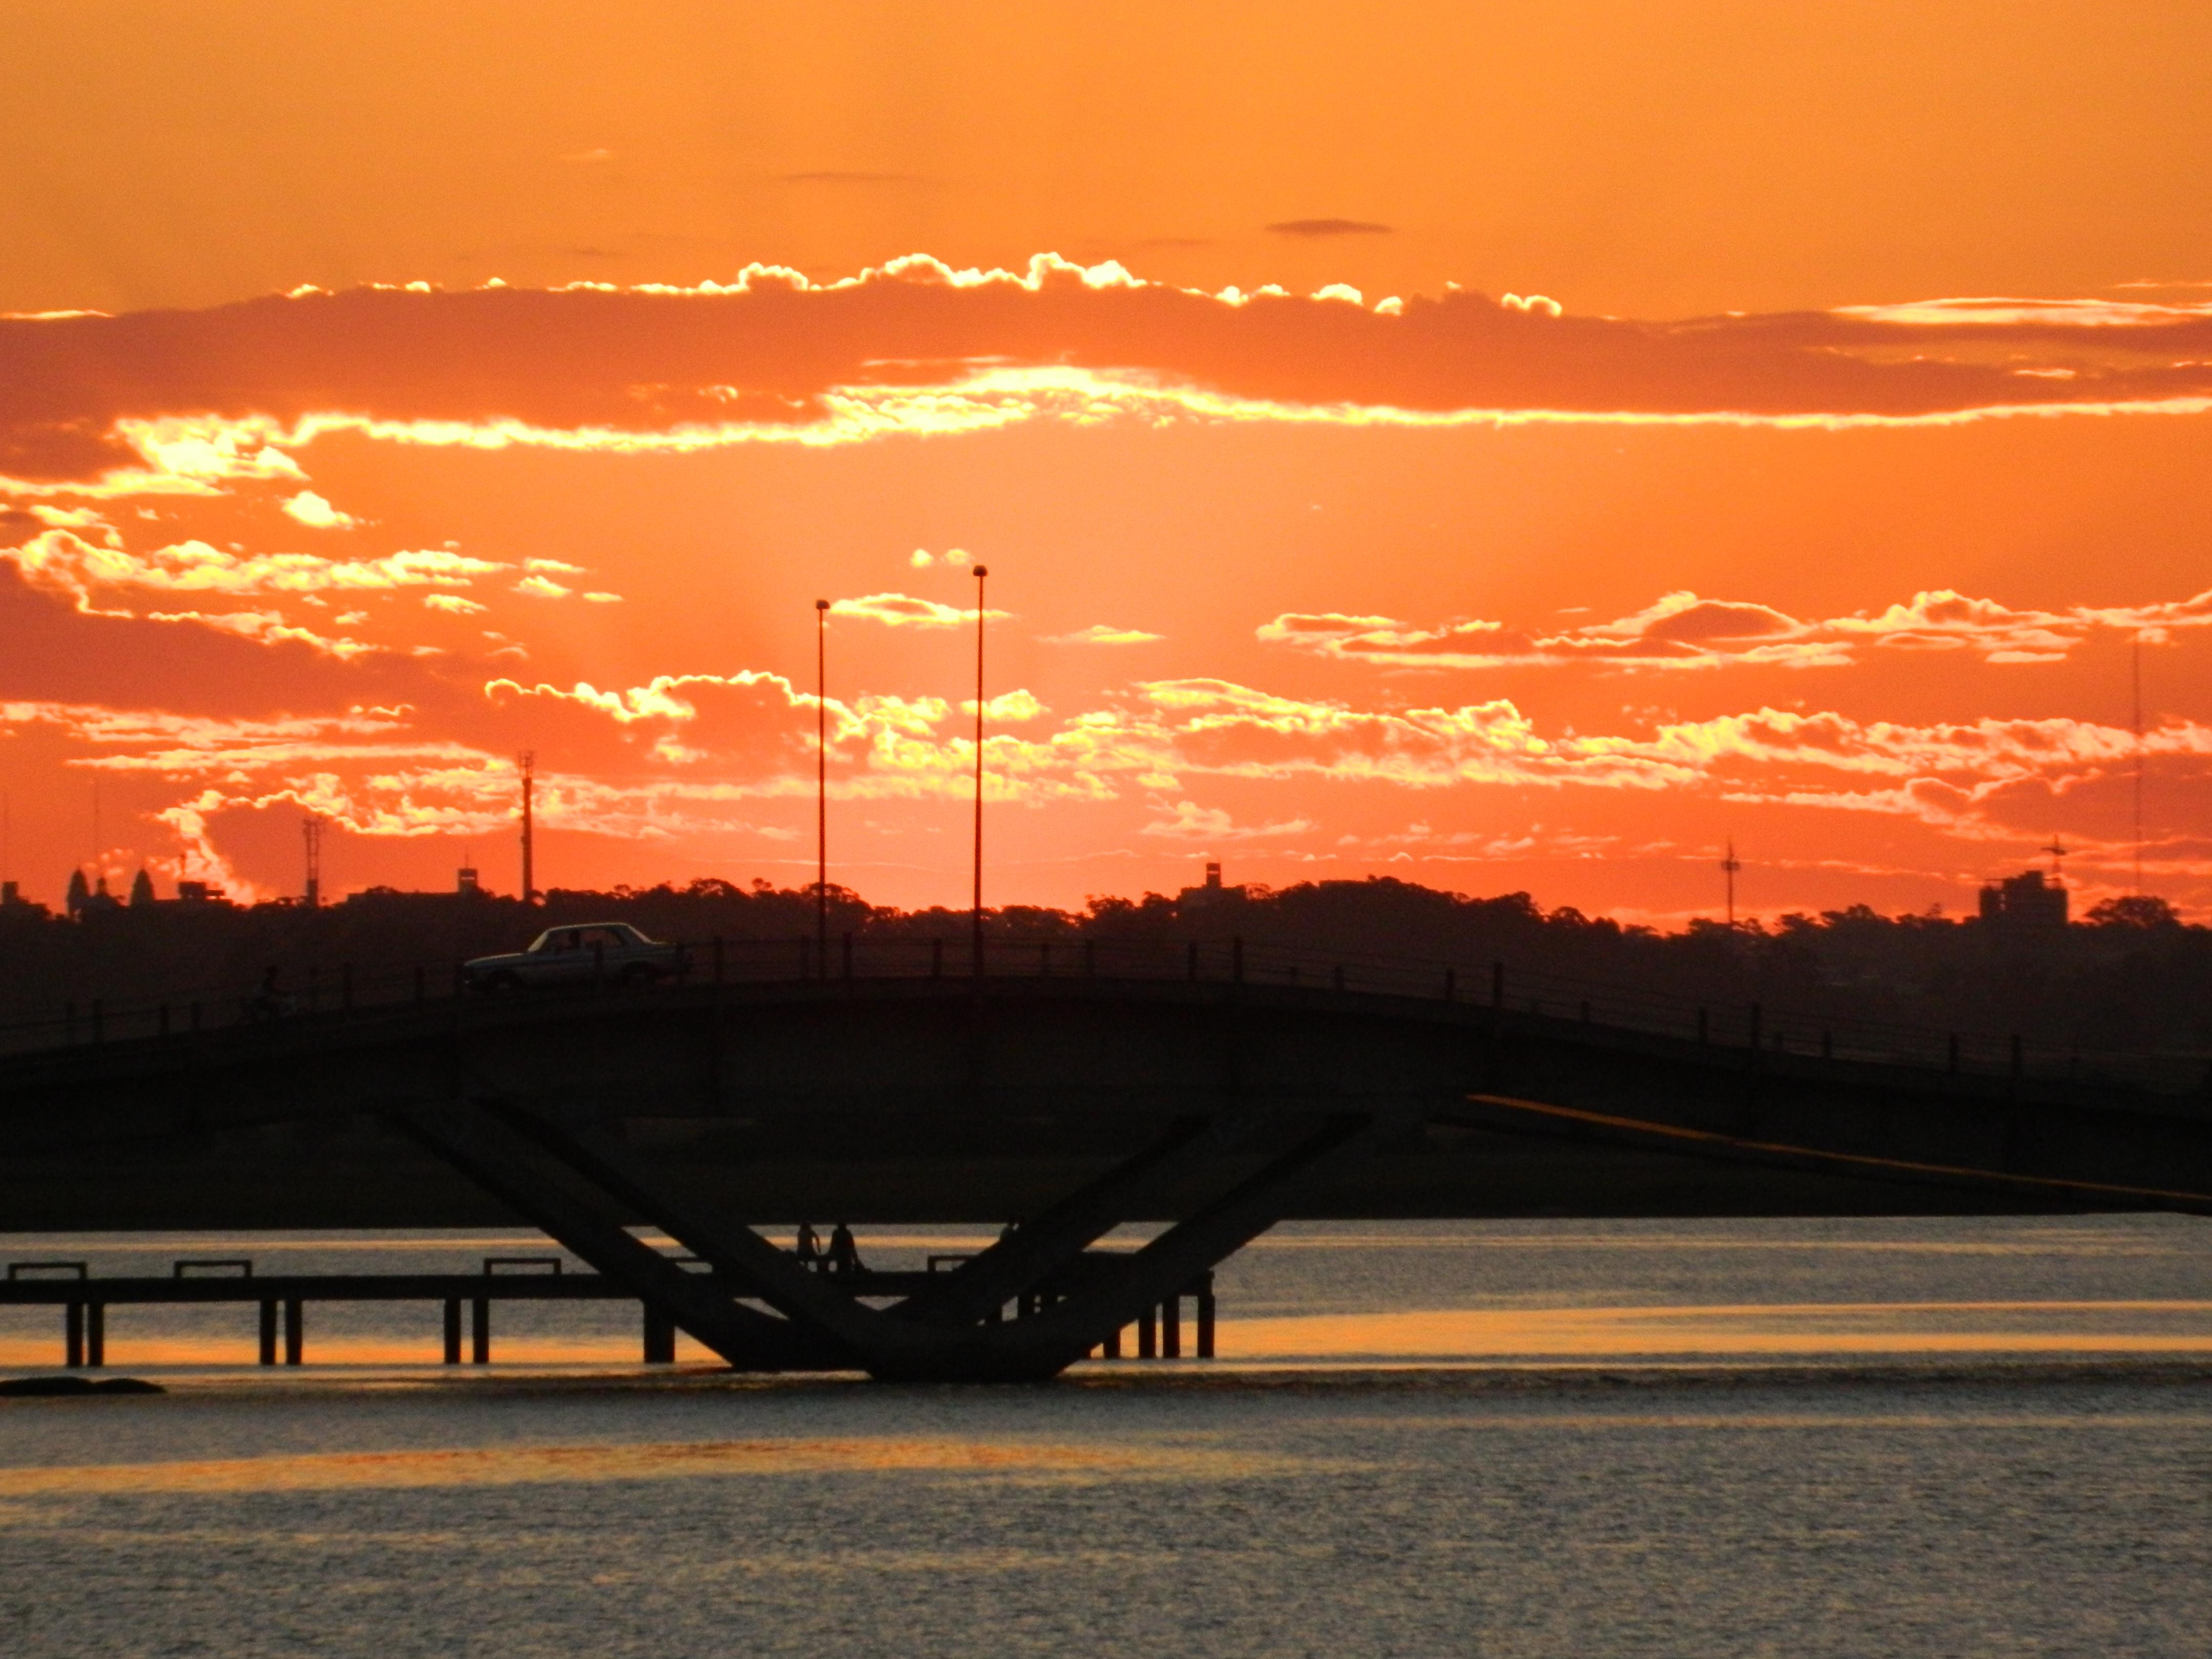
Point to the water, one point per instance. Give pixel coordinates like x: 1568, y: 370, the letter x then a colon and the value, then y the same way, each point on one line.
x: 1789, y: 1438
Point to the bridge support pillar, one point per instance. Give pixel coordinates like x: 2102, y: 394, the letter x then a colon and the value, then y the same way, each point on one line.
x: 480, y: 1331
x: 576, y: 1182
x: 659, y: 1338
x: 268, y: 1333
x: 296, y: 1330
x: 452, y: 1330
x: 1205, y: 1318
x: 73, y: 1335
x: 512, y: 1168
x: 95, y: 1333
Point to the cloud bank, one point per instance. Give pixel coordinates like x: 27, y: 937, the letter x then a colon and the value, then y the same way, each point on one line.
x: 186, y: 401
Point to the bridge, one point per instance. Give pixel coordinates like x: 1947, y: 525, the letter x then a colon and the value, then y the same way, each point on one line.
x: 1216, y: 1089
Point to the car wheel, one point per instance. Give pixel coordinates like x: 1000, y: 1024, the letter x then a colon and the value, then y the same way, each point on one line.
x: 636, y: 974
x: 503, y: 983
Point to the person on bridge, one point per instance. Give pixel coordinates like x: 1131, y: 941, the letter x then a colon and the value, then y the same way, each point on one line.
x: 809, y: 1247
x: 269, y: 1001
x: 844, y: 1253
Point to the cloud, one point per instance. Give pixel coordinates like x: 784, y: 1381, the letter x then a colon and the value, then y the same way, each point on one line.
x: 544, y: 587
x: 61, y: 561
x: 1008, y: 708
x: 1683, y: 631
x: 268, y: 626
x: 903, y: 610
x: 197, y: 402
x: 1103, y: 634
x: 1329, y: 228
x: 1188, y: 821
x: 452, y: 604
x: 312, y: 511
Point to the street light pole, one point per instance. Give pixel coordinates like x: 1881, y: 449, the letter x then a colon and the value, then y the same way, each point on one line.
x: 981, y: 572
x: 821, y: 788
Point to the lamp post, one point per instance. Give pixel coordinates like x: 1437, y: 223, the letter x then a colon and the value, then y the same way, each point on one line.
x: 981, y: 572
x: 821, y: 789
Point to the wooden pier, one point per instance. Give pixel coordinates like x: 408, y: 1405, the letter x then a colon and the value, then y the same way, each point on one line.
x: 282, y: 1300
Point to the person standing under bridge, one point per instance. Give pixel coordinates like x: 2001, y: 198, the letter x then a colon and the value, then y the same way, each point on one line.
x: 844, y: 1252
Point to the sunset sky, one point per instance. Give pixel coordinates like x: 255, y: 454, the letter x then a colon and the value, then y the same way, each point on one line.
x: 1503, y: 446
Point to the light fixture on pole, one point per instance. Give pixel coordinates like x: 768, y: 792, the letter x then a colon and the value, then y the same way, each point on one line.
x: 1730, y: 865
x: 821, y: 789
x: 981, y: 572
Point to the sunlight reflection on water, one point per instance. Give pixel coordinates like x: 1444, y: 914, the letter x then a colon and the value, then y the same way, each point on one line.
x: 1380, y: 1463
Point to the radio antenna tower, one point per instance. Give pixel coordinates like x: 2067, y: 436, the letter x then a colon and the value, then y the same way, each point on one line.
x: 2137, y: 667
x: 311, y: 833
x: 1730, y: 865
x: 526, y: 764
x: 2058, y: 850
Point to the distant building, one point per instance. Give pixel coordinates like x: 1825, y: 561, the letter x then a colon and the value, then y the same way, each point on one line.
x: 2027, y: 906
x: 198, y: 892
x: 466, y: 890
x: 84, y: 902
x: 1197, y: 898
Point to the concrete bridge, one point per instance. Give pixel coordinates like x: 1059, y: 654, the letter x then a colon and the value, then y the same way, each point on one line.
x: 1061, y: 1097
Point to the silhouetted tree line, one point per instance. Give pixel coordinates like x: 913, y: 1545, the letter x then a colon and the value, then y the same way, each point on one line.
x: 2129, y: 975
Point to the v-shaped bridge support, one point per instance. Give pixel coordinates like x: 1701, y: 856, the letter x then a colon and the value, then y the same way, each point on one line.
x: 573, y: 1182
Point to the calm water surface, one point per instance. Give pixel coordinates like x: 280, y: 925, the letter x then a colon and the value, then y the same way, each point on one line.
x: 1787, y: 1438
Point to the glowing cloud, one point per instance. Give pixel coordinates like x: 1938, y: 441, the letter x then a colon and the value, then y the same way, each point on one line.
x: 1104, y: 633
x: 903, y: 611
x: 100, y: 407
x: 311, y: 510
x: 1682, y: 630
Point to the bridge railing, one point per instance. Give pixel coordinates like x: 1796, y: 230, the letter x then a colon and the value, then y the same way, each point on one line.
x: 338, y: 993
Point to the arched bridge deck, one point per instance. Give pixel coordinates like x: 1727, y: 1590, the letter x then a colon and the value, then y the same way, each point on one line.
x: 1069, y: 1102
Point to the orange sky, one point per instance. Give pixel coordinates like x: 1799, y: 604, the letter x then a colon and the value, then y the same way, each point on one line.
x: 1503, y: 446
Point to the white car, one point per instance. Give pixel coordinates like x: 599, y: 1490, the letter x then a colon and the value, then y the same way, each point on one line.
x: 586, y: 953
